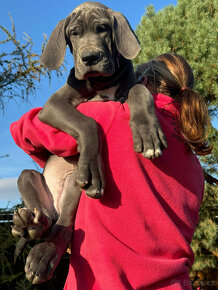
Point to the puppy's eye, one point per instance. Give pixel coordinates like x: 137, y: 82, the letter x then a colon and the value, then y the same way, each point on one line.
x: 74, y: 33
x: 102, y: 28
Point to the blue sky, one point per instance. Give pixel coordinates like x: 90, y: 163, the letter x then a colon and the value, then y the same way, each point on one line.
x: 36, y: 18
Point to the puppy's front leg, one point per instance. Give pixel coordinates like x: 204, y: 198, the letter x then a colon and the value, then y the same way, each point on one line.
x: 60, y: 112
x: 148, y: 136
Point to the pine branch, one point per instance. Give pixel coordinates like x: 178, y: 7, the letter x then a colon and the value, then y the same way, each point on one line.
x: 209, y: 178
x: 20, y: 67
x: 3, y: 156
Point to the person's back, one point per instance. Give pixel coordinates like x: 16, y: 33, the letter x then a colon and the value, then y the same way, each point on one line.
x: 137, y: 235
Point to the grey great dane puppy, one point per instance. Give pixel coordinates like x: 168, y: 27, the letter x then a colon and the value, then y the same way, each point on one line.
x: 103, y: 44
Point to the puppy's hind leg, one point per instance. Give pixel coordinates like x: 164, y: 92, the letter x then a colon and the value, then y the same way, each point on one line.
x: 44, y: 257
x: 33, y: 221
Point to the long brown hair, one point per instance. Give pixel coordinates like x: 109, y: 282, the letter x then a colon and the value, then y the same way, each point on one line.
x: 170, y: 74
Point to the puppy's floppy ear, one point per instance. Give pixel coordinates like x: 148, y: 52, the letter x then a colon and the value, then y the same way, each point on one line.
x: 53, y: 55
x: 125, y: 39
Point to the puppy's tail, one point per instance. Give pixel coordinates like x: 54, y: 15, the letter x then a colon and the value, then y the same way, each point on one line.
x: 21, y: 244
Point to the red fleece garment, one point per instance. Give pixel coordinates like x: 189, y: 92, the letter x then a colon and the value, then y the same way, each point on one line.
x: 137, y: 236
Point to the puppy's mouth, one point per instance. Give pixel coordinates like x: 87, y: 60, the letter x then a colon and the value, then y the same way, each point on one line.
x: 104, y: 68
x: 94, y: 74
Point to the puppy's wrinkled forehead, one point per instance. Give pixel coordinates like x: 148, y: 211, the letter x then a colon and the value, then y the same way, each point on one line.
x: 88, y: 12
x: 90, y: 5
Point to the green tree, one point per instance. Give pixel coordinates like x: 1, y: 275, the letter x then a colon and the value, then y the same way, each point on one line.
x: 20, y: 68
x: 189, y: 29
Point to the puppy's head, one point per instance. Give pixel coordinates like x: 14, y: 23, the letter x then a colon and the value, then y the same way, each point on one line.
x: 95, y: 35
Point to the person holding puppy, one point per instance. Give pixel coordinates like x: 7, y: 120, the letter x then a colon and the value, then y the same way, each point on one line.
x: 138, y: 234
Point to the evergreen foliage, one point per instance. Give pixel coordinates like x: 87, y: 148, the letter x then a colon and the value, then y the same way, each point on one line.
x: 20, y: 68
x: 189, y: 29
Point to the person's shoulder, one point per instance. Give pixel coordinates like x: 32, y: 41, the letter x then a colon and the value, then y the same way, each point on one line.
x: 102, y: 112
x: 98, y: 110
x: 166, y: 104
x: 96, y: 105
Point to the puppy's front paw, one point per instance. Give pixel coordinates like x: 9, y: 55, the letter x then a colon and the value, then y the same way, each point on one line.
x: 42, y: 262
x: 151, y: 153
x: 90, y: 176
x: 148, y: 138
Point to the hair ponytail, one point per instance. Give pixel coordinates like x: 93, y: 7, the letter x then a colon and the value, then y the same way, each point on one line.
x: 171, y: 75
x: 194, y: 121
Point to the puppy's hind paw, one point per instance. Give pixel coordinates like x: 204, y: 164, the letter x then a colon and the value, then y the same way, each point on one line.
x: 22, y: 217
x: 35, y: 224
x: 41, y: 262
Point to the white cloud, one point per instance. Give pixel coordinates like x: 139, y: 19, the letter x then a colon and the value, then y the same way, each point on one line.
x: 9, y: 194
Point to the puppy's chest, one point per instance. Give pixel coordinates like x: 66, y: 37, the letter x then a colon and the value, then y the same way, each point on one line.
x: 105, y: 95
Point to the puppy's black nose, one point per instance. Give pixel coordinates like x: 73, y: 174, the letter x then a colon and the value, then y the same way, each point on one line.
x: 91, y: 58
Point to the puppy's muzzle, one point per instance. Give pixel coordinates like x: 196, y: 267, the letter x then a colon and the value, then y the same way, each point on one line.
x: 90, y: 58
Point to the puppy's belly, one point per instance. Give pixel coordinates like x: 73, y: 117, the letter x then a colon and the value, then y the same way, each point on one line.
x: 57, y: 172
